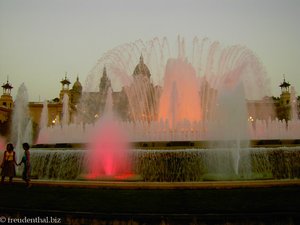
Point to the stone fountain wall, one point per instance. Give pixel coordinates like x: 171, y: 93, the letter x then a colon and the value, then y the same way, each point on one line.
x: 177, y: 165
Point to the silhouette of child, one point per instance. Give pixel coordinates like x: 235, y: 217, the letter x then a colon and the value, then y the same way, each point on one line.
x: 26, y: 161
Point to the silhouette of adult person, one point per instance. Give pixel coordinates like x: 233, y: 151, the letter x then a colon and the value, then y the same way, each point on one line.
x: 8, y: 164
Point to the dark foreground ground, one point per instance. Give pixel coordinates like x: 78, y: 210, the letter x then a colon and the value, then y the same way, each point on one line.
x: 151, y: 203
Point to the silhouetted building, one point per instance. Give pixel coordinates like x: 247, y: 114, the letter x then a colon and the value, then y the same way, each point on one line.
x: 138, y: 101
x: 142, y: 95
x: 6, y: 102
x: 135, y: 102
x: 6, y: 107
x: 284, y: 106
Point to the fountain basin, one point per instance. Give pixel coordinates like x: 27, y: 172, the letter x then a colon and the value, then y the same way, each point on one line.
x: 156, y: 203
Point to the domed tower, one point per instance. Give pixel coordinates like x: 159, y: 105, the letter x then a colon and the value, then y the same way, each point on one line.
x: 6, y: 100
x: 285, y: 101
x: 65, y: 88
x: 76, y: 92
x: 6, y: 104
x: 141, y: 69
x: 142, y: 96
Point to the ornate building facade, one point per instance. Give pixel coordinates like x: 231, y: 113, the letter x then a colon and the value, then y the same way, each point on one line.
x: 138, y: 101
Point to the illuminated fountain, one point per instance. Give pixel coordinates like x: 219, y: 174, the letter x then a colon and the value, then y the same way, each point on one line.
x: 108, y: 154
x: 180, y: 98
x: 190, y: 96
x: 184, y: 89
x: 21, y: 122
x: 21, y: 126
x: 108, y: 151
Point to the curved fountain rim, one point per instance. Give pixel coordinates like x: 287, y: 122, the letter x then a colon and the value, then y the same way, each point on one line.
x: 178, y: 145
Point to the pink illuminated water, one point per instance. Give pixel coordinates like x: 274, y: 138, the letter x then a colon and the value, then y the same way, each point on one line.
x: 108, y: 153
x: 2, y: 143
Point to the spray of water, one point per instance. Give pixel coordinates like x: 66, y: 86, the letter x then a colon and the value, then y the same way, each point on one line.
x: 21, y: 122
x: 108, y: 150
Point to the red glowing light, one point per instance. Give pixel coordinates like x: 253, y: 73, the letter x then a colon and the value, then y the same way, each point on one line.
x: 108, y: 153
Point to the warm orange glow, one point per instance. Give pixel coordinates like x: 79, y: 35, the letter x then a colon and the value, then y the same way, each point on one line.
x: 180, y: 99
